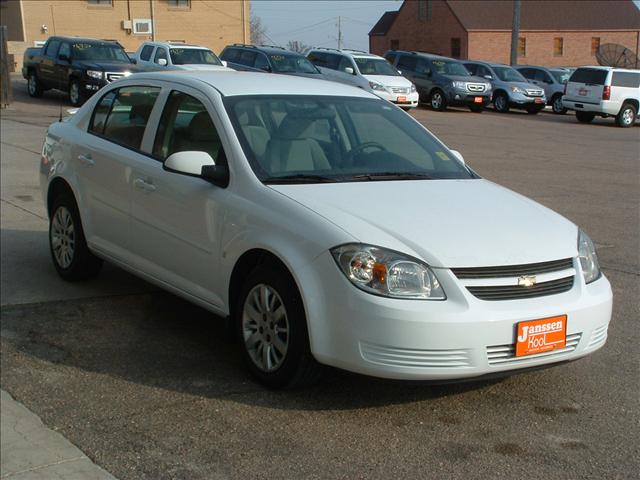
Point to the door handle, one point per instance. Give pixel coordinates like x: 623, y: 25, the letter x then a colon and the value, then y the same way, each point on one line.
x: 86, y: 160
x: 144, y: 185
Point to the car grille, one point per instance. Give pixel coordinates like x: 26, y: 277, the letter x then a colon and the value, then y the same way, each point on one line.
x: 404, y: 357
x: 400, y: 90
x: 535, y: 93
x: 504, y: 282
x: 475, y: 87
x: 113, y: 76
x: 506, y: 354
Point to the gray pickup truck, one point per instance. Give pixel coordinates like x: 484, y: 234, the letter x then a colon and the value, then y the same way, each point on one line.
x: 79, y: 66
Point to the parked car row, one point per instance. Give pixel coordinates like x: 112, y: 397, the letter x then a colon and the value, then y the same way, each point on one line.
x: 81, y: 66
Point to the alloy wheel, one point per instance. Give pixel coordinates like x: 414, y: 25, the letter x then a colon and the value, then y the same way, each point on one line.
x: 265, y: 328
x: 436, y: 100
x: 628, y: 116
x: 557, y: 105
x: 31, y: 84
x: 501, y: 103
x: 74, y: 93
x: 63, y: 237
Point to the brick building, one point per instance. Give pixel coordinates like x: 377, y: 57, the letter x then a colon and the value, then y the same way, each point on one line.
x: 557, y: 33
x: 204, y: 22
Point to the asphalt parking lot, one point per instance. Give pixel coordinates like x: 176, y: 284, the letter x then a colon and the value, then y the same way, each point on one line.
x: 149, y: 386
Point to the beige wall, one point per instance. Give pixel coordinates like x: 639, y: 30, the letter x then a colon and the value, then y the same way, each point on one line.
x: 211, y: 23
x: 495, y: 46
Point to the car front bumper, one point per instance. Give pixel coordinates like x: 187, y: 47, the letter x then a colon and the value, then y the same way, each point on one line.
x: 461, y: 337
x: 410, y: 99
x: 519, y: 100
x: 457, y: 97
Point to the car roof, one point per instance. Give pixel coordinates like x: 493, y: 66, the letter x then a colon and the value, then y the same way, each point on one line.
x: 234, y: 83
x: 174, y: 45
x: 347, y: 52
x: 270, y: 49
x: 83, y: 39
x: 424, y: 54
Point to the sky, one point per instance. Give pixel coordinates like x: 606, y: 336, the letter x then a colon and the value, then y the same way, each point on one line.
x: 315, y: 22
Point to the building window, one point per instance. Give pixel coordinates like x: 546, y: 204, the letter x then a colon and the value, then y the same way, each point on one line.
x: 595, y: 45
x: 522, y: 47
x: 455, y: 47
x: 179, y: 3
x: 101, y: 3
x: 558, y: 47
x: 395, y: 44
x: 424, y: 9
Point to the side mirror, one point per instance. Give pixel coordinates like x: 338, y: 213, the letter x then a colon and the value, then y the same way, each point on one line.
x: 349, y: 70
x: 400, y: 72
x: 266, y: 68
x: 162, y: 62
x: 458, y: 155
x: 133, y: 60
x: 197, y: 164
x: 224, y: 63
x: 488, y: 77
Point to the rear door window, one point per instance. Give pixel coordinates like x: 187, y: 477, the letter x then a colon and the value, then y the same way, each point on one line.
x: 146, y: 52
x: 247, y: 58
x: 543, y: 76
x: 407, y: 63
x: 626, y: 79
x: 122, y: 116
x: 592, y: 76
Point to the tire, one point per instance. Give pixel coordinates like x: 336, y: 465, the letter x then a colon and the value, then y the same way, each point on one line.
x: 34, y: 87
x: 476, y: 108
x: 287, y: 363
x: 556, y: 105
x: 626, y: 116
x: 438, y: 100
x: 585, y: 117
x: 71, y: 257
x: 76, y: 97
x: 501, y: 103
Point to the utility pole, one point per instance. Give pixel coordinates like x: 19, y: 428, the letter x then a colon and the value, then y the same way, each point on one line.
x: 515, y: 32
x: 339, y: 34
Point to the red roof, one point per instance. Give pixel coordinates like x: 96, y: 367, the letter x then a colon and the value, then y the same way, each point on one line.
x: 384, y: 24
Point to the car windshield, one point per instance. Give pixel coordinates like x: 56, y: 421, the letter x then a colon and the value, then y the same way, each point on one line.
x: 193, y: 56
x: 508, y: 74
x: 450, y: 68
x: 316, y: 139
x: 96, y: 51
x: 375, y: 66
x: 561, y: 76
x: 283, y: 63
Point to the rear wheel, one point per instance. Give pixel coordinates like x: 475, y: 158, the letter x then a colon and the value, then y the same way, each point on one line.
x: 272, y: 330
x: 557, y: 106
x: 34, y: 87
x: 627, y: 115
x: 437, y: 100
x: 71, y: 257
x: 585, y: 117
x: 501, y: 103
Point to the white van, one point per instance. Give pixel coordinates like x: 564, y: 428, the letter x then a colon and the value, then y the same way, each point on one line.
x: 604, y: 92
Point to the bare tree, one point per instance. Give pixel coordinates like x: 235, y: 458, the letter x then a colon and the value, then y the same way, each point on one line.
x: 296, y: 46
x: 258, y: 31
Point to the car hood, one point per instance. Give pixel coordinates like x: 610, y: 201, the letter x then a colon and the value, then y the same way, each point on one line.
x: 389, y: 80
x: 448, y: 223
x: 525, y: 85
x: 107, y: 66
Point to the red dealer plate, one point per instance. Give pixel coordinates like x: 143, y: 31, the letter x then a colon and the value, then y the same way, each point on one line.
x: 538, y: 336
x: 402, y: 100
x: 538, y: 100
x: 477, y: 100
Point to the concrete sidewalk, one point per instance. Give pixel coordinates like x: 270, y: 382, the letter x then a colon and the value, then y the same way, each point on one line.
x: 30, y: 450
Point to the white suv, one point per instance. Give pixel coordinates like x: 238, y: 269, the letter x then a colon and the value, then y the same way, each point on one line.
x: 604, y: 92
x: 176, y: 56
x: 367, y: 71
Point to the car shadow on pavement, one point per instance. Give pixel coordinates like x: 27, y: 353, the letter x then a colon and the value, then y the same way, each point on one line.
x: 157, y: 339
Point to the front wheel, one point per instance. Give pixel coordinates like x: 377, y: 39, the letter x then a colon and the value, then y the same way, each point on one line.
x: 75, y: 93
x: 272, y: 330
x: 501, y: 103
x: 557, y: 106
x: 627, y: 115
x: 34, y: 87
x: 71, y: 256
x: 585, y: 117
x: 437, y: 100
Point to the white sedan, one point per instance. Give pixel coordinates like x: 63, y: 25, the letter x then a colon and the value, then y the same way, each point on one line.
x: 329, y: 226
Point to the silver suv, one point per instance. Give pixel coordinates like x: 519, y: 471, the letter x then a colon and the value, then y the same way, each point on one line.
x: 510, y: 88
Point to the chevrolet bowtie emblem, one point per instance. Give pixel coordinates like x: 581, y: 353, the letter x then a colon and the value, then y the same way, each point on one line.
x: 527, y: 281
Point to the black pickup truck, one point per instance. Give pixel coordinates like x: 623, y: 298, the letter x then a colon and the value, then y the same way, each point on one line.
x: 80, y: 66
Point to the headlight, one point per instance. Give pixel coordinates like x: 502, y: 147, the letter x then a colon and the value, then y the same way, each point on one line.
x: 94, y: 74
x: 588, y: 258
x: 376, y: 86
x: 385, y: 272
x: 518, y: 90
x: 413, y: 88
x: 460, y: 85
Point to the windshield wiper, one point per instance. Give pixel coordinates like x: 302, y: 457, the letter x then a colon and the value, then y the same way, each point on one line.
x: 300, y: 178
x: 379, y: 176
